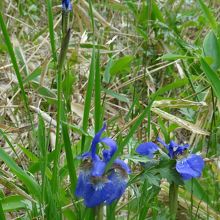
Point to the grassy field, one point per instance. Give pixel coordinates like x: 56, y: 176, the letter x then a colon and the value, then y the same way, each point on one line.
x: 145, y: 69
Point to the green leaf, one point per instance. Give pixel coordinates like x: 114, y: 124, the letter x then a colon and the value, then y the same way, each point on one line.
x: 33, y: 75
x: 2, y: 216
x: 107, y: 75
x: 211, y: 49
x: 121, y: 65
x: 212, y: 77
x: 119, y: 97
x: 88, y: 98
x: 15, y: 202
x: 171, y: 56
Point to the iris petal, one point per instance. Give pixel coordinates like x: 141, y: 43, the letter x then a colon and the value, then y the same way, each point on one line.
x: 147, y: 149
x: 118, y: 187
x: 123, y: 165
x: 111, y: 143
x: 82, y: 182
x: 95, y: 196
x: 190, y: 167
x: 96, y: 139
x: 98, y: 168
x: 163, y: 143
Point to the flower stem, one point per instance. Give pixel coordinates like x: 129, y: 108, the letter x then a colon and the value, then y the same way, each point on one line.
x: 99, y: 212
x: 173, y: 200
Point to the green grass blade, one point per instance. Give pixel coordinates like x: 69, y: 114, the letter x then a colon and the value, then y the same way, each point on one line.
x: 51, y: 30
x: 62, y: 57
x: 88, y: 98
x: 14, y: 63
x: 2, y: 216
x: 208, y: 14
x: 69, y: 153
x: 98, y: 107
x: 8, y: 142
x: 212, y: 77
x: 43, y: 153
x: 28, y: 181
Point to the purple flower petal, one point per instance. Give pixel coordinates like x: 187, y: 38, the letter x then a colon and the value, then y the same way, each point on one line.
x: 123, y: 165
x: 82, y: 182
x: 98, y: 168
x: 163, y: 143
x: 96, y: 140
x: 173, y: 148
x: 107, y: 154
x: 96, y: 194
x: 147, y: 149
x: 119, y: 185
x: 190, y: 167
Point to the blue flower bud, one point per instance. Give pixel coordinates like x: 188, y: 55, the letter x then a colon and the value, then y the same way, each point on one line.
x: 66, y: 5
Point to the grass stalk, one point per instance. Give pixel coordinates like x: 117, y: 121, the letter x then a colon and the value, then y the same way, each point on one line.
x: 98, y: 106
x: 51, y: 30
x: 62, y: 56
x: 88, y: 98
x: 2, y: 216
x: 173, y: 200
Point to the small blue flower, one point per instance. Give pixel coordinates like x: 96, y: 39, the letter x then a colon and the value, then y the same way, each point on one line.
x: 147, y: 149
x: 190, y: 167
x: 173, y: 148
x: 66, y: 5
x: 94, y: 184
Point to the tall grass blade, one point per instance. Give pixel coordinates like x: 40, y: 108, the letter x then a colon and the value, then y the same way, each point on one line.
x: 69, y: 153
x: 88, y: 98
x: 2, y: 216
x: 98, y: 107
x: 43, y: 153
x: 208, y: 14
x: 212, y: 77
x: 51, y: 30
x: 62, y: 57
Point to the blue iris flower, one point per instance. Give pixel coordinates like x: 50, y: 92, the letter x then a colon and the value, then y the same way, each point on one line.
x: 147, y: 149
x: 189, y: 167
x: 173, y: 148
x: 66, y: 5
x: 96, y: 185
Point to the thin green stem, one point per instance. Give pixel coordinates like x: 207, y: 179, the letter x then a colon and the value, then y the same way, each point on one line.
x: 63, y: 52
x: 2, y: 216
x: 88, y: 98
x: 173, y: 200
x: 99, y: 212
x: 51, y: 30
